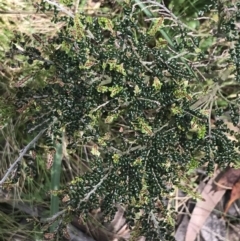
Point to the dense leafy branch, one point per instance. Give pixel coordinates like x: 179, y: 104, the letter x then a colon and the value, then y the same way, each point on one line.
x: 125, y: 99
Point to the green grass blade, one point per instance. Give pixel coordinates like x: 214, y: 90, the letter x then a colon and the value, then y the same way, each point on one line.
x: 55, y: 180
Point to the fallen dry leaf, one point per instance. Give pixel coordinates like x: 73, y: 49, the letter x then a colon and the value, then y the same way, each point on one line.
x: 235, y: 195
x: 226, y: 179
x: 202, y: 210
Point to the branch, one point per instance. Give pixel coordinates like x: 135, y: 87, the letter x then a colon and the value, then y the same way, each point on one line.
x: 153, y: 101
x: 138, y: 56
x: 35, y: 127
x: 60, y: 8
x: 93, y: 190
x: 21, y: 155
x: 100, y: 106
x: 53, y: 217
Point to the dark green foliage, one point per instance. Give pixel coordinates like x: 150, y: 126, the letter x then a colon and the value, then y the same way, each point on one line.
x: 131, y: 103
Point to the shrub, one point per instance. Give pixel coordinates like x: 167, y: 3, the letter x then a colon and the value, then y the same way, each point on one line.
x: 127, y: 103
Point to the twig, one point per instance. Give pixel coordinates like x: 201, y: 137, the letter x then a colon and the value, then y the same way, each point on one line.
x: 92, y: 191
x: 139, y: 58
x: 100, y: 106
x: 21, y: 155
x: 60, y: 7
x: 139, y: 147
x: 154, y: 101
x: 95, y: 188
x: 35, y: 127
x: 156, y: 180
x: 53, y: 217
x: 222, y: 186
x: 209, y: 118
x: 160, y: 128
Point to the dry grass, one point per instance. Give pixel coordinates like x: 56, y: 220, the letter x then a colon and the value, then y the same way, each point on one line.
x: 22, y: 16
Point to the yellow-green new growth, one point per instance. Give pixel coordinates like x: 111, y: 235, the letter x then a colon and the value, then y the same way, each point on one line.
x: 158, y: 23
x: 115, y: 90
x: 157, y: 83
x: 144, y: 127
x: 114, y: 66
x: 111, y: 118
x: 79, y: 28
x: 106, y: 24
x: 116, y: 158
